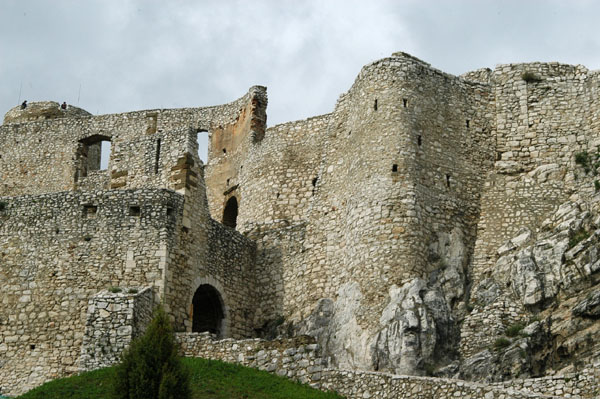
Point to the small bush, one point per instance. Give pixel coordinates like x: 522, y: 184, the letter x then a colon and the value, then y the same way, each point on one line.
x: 597, y: 185
x: 150, y: 368
x: 429, y: 369
x: 133, y: 291
x: 578, y: 237
x: 530, y: 77
x: 115, y: 290
x: 583, y: 159
x: 501, y: 343
x: 3, y: 205
x: 514, y: 330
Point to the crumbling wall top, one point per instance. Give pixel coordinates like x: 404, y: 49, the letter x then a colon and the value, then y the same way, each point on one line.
x: 42, y: 110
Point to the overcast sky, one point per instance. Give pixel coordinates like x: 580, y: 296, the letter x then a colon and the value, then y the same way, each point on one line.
x: 116, y: 56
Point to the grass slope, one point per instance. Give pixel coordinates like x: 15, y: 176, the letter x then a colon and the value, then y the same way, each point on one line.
x: 210, y: 379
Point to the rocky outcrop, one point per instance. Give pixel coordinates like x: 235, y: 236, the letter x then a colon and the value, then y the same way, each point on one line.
x: 541, y: 304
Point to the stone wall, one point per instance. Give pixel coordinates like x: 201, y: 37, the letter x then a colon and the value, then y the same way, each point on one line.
x: 51, y: 155
x: 56, y: 252
x: 583, y: 384
x: 373, y: 228
x: 114, y: 318
x: 545, y: 113
x: 296, y: 358
x: 359, y: 197
x: 300, y: 359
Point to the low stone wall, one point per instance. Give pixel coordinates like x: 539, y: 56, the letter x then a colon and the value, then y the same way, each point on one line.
x: 585, y: 384
x: 364, y: 384
x: 300, y: 359
x: 296, y: 358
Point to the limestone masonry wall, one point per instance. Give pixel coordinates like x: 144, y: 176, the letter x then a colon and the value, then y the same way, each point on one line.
x: 56, y: 251
x: 114, y: 317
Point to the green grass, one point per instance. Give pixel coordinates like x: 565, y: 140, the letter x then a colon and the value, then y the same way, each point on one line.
x: 210, y: 379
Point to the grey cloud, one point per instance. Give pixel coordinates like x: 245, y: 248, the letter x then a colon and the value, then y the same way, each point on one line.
x: 128, y: 55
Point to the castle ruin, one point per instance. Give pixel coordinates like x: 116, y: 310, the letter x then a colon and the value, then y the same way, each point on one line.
x: 394, y: 230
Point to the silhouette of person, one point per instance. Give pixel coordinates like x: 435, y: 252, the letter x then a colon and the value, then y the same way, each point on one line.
x: 24, y: 105
x: 64, y: 105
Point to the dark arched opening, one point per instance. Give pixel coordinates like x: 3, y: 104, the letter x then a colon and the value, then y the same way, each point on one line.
x: 230, y: 212
x: 207, y: 310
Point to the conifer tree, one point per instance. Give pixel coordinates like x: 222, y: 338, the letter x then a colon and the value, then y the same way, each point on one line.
x: 150, y: 368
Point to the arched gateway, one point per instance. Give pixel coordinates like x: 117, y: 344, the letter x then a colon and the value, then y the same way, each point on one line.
x: 208, y: 310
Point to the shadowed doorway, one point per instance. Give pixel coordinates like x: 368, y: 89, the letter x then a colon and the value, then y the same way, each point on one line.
x: 230, y: 212
x: 207, y: 306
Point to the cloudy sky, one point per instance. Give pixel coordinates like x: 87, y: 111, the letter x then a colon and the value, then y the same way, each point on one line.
x: 114, y: 56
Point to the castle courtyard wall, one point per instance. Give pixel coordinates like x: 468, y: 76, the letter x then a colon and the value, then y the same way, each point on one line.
x: 57, y: 250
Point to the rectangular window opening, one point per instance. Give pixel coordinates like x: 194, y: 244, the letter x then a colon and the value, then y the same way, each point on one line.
x: 405, y: 102
x: 134, y: 211
x: 394, y: 167
x: 89, y: 211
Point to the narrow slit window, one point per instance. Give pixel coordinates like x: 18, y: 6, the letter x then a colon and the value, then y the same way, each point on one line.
x: 375, y: 105
x: 468, y: 123
x: 419, y: 140
x: 448, y: 180
x: 405, y: 102
x: 157, y: 159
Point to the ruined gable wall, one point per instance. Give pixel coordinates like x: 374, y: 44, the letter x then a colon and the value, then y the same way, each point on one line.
x: 230, y: 144
x: 45, y: 156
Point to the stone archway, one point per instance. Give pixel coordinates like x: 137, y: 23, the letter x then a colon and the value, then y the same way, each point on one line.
x: 208, y: 312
